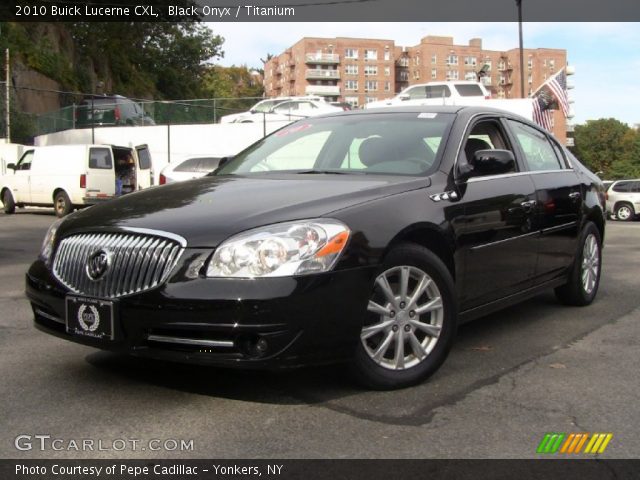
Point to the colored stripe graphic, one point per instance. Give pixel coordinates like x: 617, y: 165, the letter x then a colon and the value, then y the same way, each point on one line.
x: 598, y: 443
x: 573, y: 443
x: 550, y: 443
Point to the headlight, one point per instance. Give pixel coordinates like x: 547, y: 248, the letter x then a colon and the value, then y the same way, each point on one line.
x: 283, y: 249
x: 49, y: 239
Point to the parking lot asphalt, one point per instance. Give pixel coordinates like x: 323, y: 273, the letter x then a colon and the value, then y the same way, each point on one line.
x: 512, y: 376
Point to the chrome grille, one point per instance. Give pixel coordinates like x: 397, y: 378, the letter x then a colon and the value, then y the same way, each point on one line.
x: 137, y: 262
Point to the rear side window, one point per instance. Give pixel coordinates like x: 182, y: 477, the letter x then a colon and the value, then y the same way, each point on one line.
x: 469, y: 90
x: 208, y: 164
x: 538, y: 152
x: 144, y: 158
x: 636, y: 187
x: 100, y: 158
x: 190, y: 165
x: 622, y: 187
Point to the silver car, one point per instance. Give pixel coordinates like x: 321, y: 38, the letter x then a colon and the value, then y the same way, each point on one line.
x: 623, y: 199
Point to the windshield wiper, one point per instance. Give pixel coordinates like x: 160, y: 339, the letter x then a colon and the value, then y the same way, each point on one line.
x: 327, y: 172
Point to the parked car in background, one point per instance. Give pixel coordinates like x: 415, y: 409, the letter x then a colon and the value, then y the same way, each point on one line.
x: 110, y: 111
x: 292, y: 110
x: 263, y: 106
x: 343, y: 105
x: 364, y: 237
x: 436, y: 93
x: 188, y: 168
x: 74, y: 176
x: 623, y: 199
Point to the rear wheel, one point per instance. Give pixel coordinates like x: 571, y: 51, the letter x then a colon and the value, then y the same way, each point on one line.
x: 7, y: 201
x: 411, y: 321
x: 62, y: 204
x: 625, y: 212
x: 584, y: 278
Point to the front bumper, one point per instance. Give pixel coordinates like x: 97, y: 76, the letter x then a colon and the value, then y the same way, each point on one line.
x: 303, y: 320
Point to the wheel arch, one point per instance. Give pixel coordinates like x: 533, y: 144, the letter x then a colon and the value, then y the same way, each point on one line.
x: 56, y: 191
x: 431, y: 237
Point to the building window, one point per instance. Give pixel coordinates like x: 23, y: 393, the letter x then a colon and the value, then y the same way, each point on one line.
x: 350, y: 53
x: 470, y: 61
x: 387, y: 86
x: 416, y: 74
x: 353, y: 101
x: 502, y: 65
x: 530, y: 79
x: 351, y: 85
x: 530, y: 64
x: 387, y: 71
x: 416, y: 59
x: 552, y: 65
x: 370, y: 70
x: 453, y: 75
x: 370, y: 54
x: 370, y: 99
x: 371, y: 85
x: 471, y: 76
x: 434, y: 73
x: 434, y: 59
x: 387, y: 55
x: 351, y: 69
x: 403, y: 62
x: 404, y: 76
x: 452, y: 60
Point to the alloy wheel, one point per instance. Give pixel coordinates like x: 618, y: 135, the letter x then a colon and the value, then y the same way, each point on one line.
x: 406, y: 313
x: 590, y: 263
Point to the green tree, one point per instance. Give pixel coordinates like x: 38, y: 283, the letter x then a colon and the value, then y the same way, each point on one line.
x: 600, y: 144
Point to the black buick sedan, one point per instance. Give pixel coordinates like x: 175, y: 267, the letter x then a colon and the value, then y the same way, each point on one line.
x: 363, y: 236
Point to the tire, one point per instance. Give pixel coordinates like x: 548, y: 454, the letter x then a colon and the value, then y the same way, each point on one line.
x: 61, y: 204
x: 625, y: 212
x: 584, y: 277
x: 393, y: 351
x: 7, y: 201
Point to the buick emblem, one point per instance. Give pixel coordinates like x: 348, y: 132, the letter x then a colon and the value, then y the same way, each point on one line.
x: 98, y: 264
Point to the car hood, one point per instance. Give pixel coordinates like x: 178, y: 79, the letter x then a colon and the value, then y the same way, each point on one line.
x: 208, y: 210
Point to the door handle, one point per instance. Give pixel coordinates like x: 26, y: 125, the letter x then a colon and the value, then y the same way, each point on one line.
x: 574, y: 195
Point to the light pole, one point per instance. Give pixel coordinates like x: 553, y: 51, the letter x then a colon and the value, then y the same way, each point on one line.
x: 519, y: 4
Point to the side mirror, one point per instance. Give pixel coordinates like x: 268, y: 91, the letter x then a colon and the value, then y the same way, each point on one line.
x: 11, y: 166
x: 404, y: 96
x: 487, y: 162
x: 493, y: 162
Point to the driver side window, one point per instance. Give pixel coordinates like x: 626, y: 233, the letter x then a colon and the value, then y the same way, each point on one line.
x: 485, y: 135
x: 25, y: 161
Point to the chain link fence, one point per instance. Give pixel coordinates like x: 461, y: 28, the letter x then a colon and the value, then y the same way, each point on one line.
x: 105, y: 111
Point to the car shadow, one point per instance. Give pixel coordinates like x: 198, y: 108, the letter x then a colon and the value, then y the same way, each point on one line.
x: 472, y: 361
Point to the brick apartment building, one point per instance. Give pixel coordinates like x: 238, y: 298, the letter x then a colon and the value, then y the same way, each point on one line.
x: 358, y: 70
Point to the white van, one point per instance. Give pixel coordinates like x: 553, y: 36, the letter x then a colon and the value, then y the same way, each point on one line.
x: 74, y: 176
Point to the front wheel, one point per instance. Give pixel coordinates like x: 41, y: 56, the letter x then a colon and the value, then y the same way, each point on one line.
x: 584, y: 277
x: 410, y: 323
x: 8, y: 202
x: 62, y: 204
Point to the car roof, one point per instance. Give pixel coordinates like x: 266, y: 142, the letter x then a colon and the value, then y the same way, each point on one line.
x: 471, y: 110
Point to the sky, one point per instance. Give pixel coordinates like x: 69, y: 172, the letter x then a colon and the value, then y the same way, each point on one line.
x: 606, y: 56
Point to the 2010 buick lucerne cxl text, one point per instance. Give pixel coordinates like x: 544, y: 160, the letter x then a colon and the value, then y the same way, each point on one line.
x: 361, y: 236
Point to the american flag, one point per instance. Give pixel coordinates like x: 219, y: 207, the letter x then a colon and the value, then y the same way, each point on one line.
x: 558, y: 86
x: 552, y: 94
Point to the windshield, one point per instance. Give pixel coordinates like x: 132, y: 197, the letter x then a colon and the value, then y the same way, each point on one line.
x: 380, y: 143
x: 265, y: 106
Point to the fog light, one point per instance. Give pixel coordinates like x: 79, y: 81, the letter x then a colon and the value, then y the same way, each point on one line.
x: 262, y: 345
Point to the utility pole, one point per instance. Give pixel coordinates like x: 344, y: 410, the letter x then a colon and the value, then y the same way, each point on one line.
x: 519, y: 4
x: 8, y: 92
